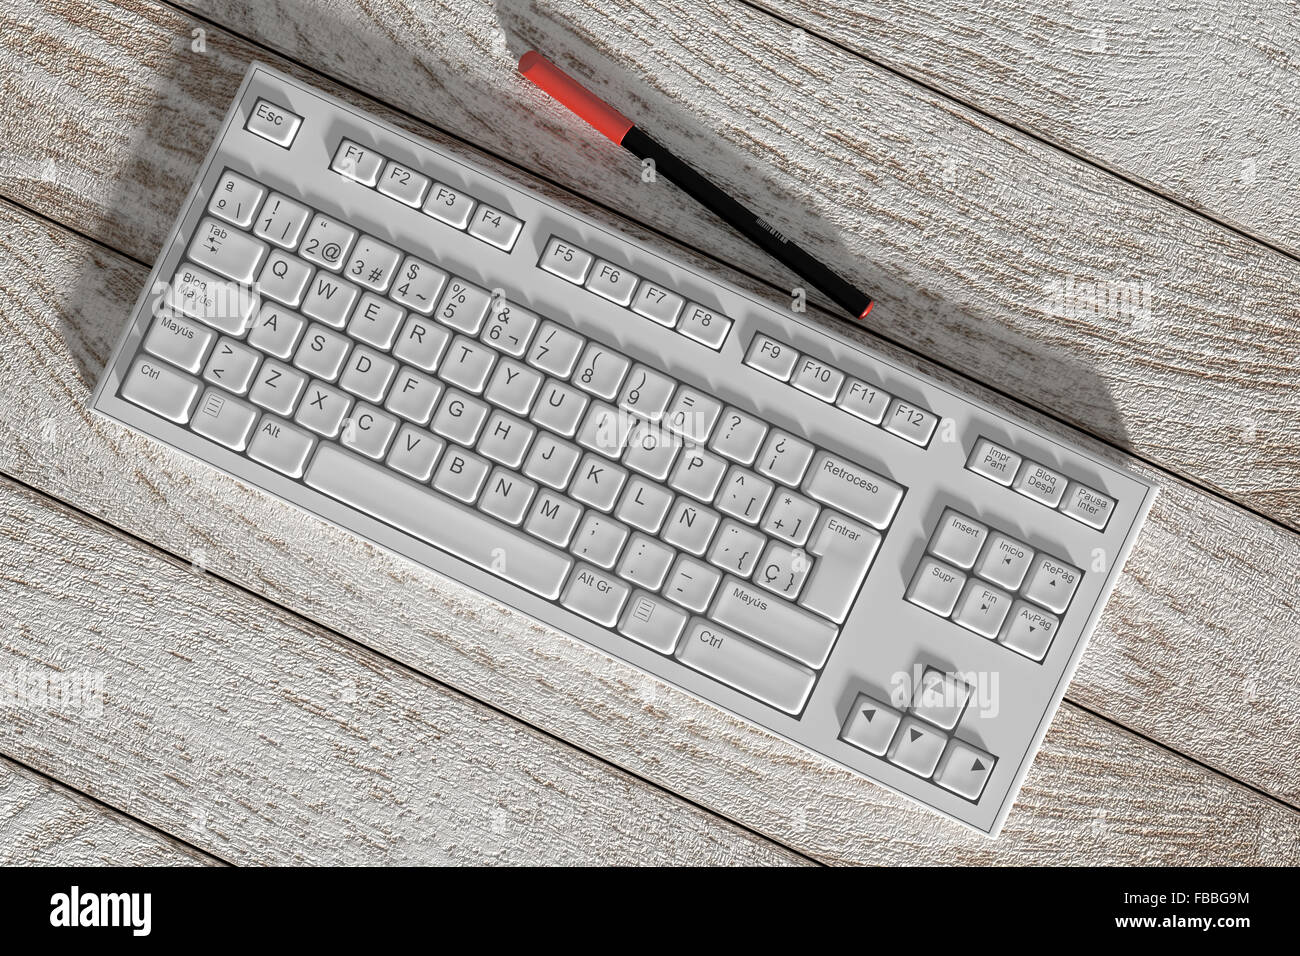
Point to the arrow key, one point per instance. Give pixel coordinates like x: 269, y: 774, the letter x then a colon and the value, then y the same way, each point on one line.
x: 917, y: 747
x: 965, y: 770
x: 870, y: 725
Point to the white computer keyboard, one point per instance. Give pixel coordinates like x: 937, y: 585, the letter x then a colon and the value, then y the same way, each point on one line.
x: 751, y: 507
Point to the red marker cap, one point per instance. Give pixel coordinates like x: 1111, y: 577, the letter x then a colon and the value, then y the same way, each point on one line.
x: 581, y: 101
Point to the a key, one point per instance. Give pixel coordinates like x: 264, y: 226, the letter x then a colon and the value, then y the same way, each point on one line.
x: 645, y: 562
x: 179, y: 341
x: 1005, y: 561
x: 771, y: 357
x: 330, y: 299
x: 773, y: 622
x: 368, y: 374
x: 277, y: 387
x: 841, y: 484
x: 746, y: 665
x: 552, y: 461
x: 375, y: 321
x: 231, y: 365
x: 459, y: 417
x: 698, y: 473
x: 982, y: 608
x: 403, y: 184
x: 1052, y: 583
x: 817, y: 378
x: 439, y: 521
x: 281, y: 446
x: 236, y: 199
x: 597, y: 482
x: 744, y: 495
x: 322, y: 352
x: 936, y: 587
x: 646, y: 393
x: 507, y: 496
x: 226, y: 306
x: 916, y: 747
x: 736, y: 548
x: 844, y: 550
x: 323, y: 409
x: 690, y: 526
x: 691, y: 583
x: 1040, y: 483
x: 911, y: 422
x: 1030, y: 630
x: 940, y: 698
x: 357, y: 162
x: 509, y: 328
x: 613, y: 282
x: 738, y: 436
x: 327, y: 242
x: 657, y: 304
x: 553, y: 518
x: 156, y: 386
x: 693, y: 414
x: 368, y: 430
x: 870, y: 725
x: 964, y: 770
x: 600, y: 371
x: 790, y: 517
x: 595, y: 594
x: 957, y: 539
x: 652, y: 621
x: 225, y: 250
x: 448, y: 205
x: 463, y: 306
x: 373, y: 264
x: 555, y: 350
x: 566, y: 260
x: 413, y: 395
x: 599, y: 540
x: 414, y: 452
x: 461, y: 474
x: 224, y: 419
x: 495, y: 227
x: 282, y: 221
x: 505, y: 439
x: 864, y: 401
x: 783, y: 570
x: 422, y: 343
x: 513, y: 386
x: 275, y: 331
x: 467, y: 364
x: 706, y: 326
x: 283, y: 278
x: 784, y: 458
x: 418, y: 285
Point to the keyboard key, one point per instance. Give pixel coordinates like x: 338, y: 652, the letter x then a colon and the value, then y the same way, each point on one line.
x: 773, y: 622
x: 464, y: 306
x: 413, y: 395
x: 1052, y: 583
x: 1091, y: 507
x: 698, y: 474
x: 604, y: 429
x: 600, y: 371
x: 652, y: 621
x: 439, y: 521
x: 595, y: 595
x: 507, y: 496
x: 566, y: 260
x: 597, y: 482
x: 964, y: 770
x: 322, y: 352
x: 844, y: 550
x: 509, y: 328
x: 226, y: 306
x: 495, y: 227
x: 553, y: 518
x: 612, y: 282
x: 864, y: 401
x: 744, y: 495
x: 513, y: 386
x: 422, y: 343
x: 993, y: 462
x: 403, y: 184
x: 645, y: 562
x: 936, y: 587
x: 179, y: 341
x: 459, y: 418
x: 738, y: 436
x: 283, y: 277
x: 236, y: 199
x: 651, y: 451
x: 916, y: 747
x: 646, y: 393
x: 693, y: 414
x: 327, y: 242
x: 982, y: 608
x: 771, y: 357
x: 870, y: 725
x: 449, y: 205
x: 790, y: 517
x: 224, y: 419
x: 375, y: 321
x: 277, y: 387
x: 226, y: 251
x: 281, y: 446
x: 1005, y: 561
x: 957, y: 539
x: 330, y: 299
x: 559, y: 408
x: 282, y: 221
x: 231, y: 365
x: 599, y: 540
x: 736, y: 548
x: 706, y: 326
x: 784, y: 458
x: 940, y: 698
x: 817, y: 378
x: 551, y: 461
x: 657, y: 304
x: 691, y: 583
x: 1040, y: 483
x: 690, y: 526
x: 467, y: 365
x: 842, y: 484
x: 418, y: 285
x: 1030, y: 630
x: 271, y: 121
x: 373, y: 264
x: 911, y: 422
x: 153, y: 385
x: 414, y: 452
x: 368, y: 430
x: 461, y: 474
x: 322, y: 409
x: 555, y: 350
x: 746, y: 665
x: 368, y: 374
x: 357, y: 162
x: 276, y: 331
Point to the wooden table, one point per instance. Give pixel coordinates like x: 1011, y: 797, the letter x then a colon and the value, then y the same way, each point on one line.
x: 277, y: 691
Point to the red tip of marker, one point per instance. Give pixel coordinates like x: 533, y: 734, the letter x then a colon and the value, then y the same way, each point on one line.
x: 870, y: 306
x: 585, y: 104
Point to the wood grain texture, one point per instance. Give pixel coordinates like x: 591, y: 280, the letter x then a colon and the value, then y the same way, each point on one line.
x: 989, y: 251
x: 1158, y: 806
x: 263, y: 739
x: 1198, y: 100
x: 44, y: 824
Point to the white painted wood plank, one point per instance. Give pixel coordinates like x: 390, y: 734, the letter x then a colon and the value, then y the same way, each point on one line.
x: 260, y: 738
x: 1200, y: 101
x: 44, y: 824
x: 54, y: 342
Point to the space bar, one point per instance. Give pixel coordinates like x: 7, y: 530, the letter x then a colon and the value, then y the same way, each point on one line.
x: 439, y: 521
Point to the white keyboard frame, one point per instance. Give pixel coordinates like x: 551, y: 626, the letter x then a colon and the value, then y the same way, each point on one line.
x: 883, y: 634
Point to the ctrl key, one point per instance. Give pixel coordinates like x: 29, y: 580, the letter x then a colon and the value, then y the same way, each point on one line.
x: 750, y: 668
x: 152, y: 385
x: 965, y: 770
